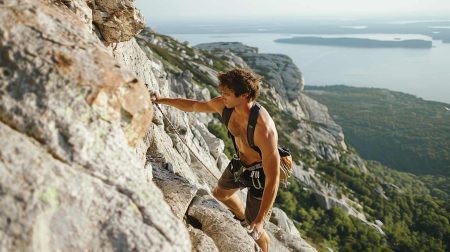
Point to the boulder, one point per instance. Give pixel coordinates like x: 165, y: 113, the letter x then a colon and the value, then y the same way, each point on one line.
x: 200, y: 241
x: 280, y: 219
x: 218, y: 223
x: 178, y: 192
x: 283, y: 241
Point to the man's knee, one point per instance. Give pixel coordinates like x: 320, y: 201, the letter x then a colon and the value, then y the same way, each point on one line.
x: 221, y: 194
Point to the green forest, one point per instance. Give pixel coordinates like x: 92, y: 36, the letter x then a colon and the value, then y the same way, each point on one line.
x: 400, y: 130
x: 412, y: 219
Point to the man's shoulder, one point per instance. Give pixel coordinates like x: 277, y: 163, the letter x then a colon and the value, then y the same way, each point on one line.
x: 265, y: 124
x: 217, y: 103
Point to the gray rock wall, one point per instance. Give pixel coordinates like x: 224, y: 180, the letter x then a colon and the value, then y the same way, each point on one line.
x: 69, y: 118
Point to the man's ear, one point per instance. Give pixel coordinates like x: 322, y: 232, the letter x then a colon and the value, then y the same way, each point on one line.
x: 244, y: 95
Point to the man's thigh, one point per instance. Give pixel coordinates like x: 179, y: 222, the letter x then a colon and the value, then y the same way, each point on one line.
x: 222, y: 193
x: 227, y: 180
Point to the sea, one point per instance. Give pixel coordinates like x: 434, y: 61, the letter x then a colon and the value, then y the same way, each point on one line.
x: 424, y: 73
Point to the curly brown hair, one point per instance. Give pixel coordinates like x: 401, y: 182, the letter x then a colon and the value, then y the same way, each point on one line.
x: 241, y: 81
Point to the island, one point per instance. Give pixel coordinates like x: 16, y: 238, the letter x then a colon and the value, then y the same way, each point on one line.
x: 358, y: 42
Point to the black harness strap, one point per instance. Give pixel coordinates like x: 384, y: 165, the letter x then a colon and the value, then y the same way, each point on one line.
x: 226, y: 115
x: 253, y: 118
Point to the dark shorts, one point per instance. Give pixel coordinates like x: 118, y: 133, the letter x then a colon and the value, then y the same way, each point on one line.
x: 249, y: 179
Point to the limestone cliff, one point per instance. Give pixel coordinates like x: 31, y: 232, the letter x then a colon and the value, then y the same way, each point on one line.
x: 86, y: 163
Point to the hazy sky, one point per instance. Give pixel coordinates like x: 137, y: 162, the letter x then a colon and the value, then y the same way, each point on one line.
x: 206, y: 9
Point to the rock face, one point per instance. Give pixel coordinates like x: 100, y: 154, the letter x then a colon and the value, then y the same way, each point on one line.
x: 68, y: 116
x: 283, y: 241
x: 177, y: 191
x: 61, y: 206
x: 71, y: 109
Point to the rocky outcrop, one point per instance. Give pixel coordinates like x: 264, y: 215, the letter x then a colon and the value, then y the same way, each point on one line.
x: 117, y: 20
x: 278, y: 70
x: 70, y: 115
x: 178, y: 192
x: 327, y: 196
x: 318, y: 114
x: 201, y: 242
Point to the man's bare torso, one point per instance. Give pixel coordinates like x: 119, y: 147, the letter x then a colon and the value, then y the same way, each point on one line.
x: 238, y: 128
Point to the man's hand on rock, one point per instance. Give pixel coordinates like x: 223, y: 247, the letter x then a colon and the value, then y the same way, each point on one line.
x: 155, y: 96
x: 256, y: 229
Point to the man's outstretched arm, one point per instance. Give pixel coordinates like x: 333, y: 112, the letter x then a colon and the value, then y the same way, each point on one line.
x: 189, y: 105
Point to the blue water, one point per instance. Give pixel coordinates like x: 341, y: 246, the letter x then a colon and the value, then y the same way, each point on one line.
x: 421, y: 72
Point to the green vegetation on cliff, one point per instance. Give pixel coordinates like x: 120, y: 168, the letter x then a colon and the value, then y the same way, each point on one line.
x: 412, y: 219
x: 399, y: 130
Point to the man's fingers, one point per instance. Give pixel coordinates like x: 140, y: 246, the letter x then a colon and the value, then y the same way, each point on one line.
x: 154, y: 96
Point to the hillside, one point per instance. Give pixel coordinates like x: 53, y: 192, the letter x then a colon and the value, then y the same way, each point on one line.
x: 399, y: 130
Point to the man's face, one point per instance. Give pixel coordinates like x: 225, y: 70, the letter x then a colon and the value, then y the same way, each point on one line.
x: 230, y: 99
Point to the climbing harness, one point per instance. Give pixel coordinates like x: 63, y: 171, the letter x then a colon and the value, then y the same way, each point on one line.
x: 285, y: 154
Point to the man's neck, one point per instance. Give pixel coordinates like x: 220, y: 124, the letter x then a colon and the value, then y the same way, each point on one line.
x: 244, y: 108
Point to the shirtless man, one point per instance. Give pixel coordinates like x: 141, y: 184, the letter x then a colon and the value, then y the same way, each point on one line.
x: 239, y: 88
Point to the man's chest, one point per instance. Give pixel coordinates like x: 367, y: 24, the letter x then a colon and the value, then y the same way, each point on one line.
x: 238, y: 129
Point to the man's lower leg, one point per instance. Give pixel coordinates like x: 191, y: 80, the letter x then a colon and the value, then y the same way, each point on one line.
x: 233, y: 202
x: 235, y: 205
x: 264, y: 241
